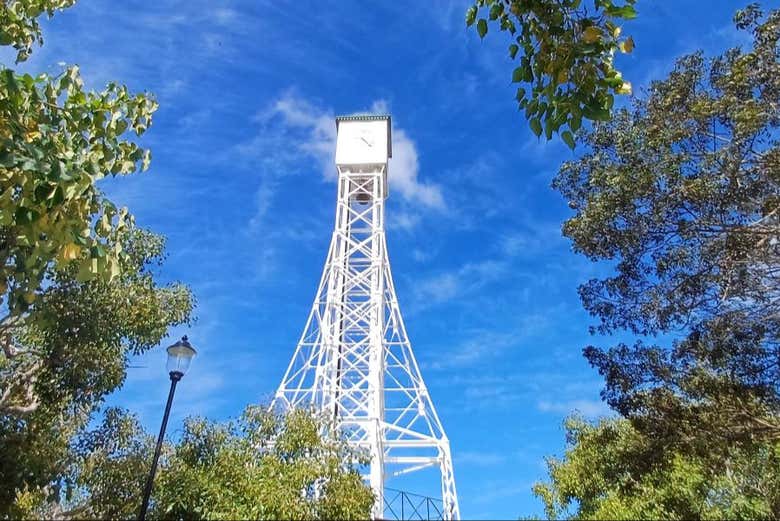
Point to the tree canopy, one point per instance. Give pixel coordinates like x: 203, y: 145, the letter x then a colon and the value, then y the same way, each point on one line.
x: 682, y: 192
x: 610, y: 471
x: 57, y: 140
x: 565, y: 52
x: 288, y: 470
x: 67, y: 353
x: 77, y: 284
x: 260, y: 466
x: 77, y: 281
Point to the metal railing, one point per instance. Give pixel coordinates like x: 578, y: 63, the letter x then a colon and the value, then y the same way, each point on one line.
x: 403, y: 506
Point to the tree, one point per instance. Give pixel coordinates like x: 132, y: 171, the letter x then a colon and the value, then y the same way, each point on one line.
x: 565, y: 55
x: 682, y: 193
x: 76, y: 279
x: 66, y: 353
x: 56, y: 141
x: 261, y: 467
x: 610, y: 471
x: 258, y: 467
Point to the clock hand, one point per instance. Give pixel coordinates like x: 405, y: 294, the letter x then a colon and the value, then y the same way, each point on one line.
x: 367, y: 142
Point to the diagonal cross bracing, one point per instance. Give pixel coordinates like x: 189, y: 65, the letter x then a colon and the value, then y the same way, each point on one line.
x: 354, y: 360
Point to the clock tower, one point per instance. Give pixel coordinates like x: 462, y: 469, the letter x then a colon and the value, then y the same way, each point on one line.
x: 354, y: 362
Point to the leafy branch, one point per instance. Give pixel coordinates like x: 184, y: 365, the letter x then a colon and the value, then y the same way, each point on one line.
x: 565, y: 55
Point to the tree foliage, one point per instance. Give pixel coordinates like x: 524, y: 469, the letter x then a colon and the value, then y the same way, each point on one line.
x: 57, y: 140
x: 66, y: 353
x: 681, y: 192
x: 76, y: 277
x: 610, y: 471
x: 259, y: 467
x: 565, y: 53
x: 76, y: 281
x: 19, y: 25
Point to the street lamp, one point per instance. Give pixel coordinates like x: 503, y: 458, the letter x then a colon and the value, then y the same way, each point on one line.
x: 180, y: 355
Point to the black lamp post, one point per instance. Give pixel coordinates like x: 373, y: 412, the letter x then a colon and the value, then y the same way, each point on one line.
x: 180, y: 355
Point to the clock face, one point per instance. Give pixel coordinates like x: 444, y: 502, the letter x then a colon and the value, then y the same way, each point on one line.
x: 362, y: 142
x: 365, y: 138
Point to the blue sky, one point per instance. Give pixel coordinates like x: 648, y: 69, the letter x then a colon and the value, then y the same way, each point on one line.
x: 241, y: 185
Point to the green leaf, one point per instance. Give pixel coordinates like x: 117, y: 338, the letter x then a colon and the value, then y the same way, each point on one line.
x: 85, y: 271
x: 626, y: 45
x: 591, y: 34
x: 536, y: 126
x: 44, y: 191
x: 575, y: 123
x: 97, y: 251
x: 496, y: 10
x: 482, y: 27
x: 568, y: 138
x: 25, y: 216
x: 513, y: 50
x: 147, y: 159
x: 627, y: 12
x: 528, y: 74
x: 594, y: 111
x: 517, y: 75
x: 10, y: 80
x: 471, y: 15
x: 520, y: 94
x: 7, y: 158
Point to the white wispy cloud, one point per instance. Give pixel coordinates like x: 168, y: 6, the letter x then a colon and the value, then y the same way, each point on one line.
x: 588, y: 408
x: 485, y: 344
x: 264, y: 197
x: 447, y: 285
x: 420, y: 255
x: 404, y: 220
x: 437, y: 289
x: 503, y: 491
x: 477, y: 367
x: 479, y: 458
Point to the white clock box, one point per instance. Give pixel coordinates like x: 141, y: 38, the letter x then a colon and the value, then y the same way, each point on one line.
x: 363, y: 140
x: 363, y: 144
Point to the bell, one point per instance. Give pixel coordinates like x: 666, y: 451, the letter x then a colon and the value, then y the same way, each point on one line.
x: 363, y: 197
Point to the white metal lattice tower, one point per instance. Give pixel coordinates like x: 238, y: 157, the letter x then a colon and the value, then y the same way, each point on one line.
x: 354, y: 361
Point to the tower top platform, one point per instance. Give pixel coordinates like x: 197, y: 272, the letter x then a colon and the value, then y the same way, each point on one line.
x: 363, y: 117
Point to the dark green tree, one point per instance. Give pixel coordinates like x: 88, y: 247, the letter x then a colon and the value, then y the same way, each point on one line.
x: 681, y: 192
x: 67, y: 353
x: 565, y: 51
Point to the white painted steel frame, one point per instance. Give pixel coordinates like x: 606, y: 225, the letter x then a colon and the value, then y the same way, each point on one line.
x: 354, y: 360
